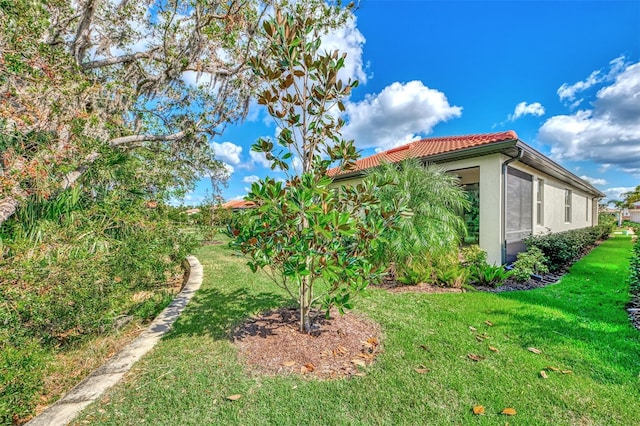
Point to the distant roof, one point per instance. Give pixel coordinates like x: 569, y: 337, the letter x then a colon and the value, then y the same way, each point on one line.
x: 238, y: 204
x: 426, y: 148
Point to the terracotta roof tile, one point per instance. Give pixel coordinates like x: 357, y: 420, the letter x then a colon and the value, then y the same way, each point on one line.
x: 427, y: 147
x: 238, y: 204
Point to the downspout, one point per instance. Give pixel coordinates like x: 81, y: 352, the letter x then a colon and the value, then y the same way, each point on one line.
x: 504, y: 201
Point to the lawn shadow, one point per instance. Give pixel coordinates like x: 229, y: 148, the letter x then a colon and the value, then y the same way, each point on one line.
x: 214, y: 313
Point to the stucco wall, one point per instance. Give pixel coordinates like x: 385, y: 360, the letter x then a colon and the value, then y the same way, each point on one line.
x: 582, y: 205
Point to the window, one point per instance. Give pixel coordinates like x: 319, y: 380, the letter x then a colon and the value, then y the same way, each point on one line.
x: 540, y: 202
x: 587, y: 208
x: 567, y: 205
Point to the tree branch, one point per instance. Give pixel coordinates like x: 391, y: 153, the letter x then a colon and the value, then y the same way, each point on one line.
x: 125, y: 140
x: 116, y: 60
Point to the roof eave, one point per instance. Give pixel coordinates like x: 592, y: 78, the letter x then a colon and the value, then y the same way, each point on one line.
x: 540, y: 162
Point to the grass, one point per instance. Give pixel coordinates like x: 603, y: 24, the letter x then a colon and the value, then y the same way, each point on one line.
x: 579, y: 325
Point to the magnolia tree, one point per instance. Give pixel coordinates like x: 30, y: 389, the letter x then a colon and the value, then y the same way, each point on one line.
x: 154, y: 79
x: 310, y: 239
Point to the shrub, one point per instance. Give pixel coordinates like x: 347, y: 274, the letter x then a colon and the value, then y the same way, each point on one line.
x: 607, y: 219
x: 21, y: 375
x: 68, y: 276
x: 473, y: 256
x: 489, y: 275
x: 415, y: 273
x: 633, y: 225
x: 528, y: 263
x: 563, y: 248
x: 454, y: 275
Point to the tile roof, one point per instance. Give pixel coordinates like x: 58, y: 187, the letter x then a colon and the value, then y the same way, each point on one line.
x: 426, y: 148
x: 238, y: 204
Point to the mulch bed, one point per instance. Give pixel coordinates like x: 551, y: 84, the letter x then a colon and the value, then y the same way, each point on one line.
x: 530, y: 284
x: 393, y: 286
x: 337, y: 347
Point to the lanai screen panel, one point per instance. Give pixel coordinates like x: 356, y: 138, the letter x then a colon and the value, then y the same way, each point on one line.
x: 519, y: 211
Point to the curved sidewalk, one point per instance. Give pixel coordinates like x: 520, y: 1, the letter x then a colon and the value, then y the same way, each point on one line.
x: 64, y: 410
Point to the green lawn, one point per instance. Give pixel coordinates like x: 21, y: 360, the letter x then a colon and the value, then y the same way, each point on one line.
x: 579, y: 325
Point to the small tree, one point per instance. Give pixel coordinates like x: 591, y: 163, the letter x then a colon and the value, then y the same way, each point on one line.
x: 302, y: 232
x: 436, y: 202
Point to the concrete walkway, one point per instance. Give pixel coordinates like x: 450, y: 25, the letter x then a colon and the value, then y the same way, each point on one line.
x: 63, y: 411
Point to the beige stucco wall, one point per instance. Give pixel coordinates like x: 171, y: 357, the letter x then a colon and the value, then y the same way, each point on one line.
x: 582, y: 206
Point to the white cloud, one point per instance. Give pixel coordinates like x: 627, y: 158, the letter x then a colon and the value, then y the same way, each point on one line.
x: 568, y: 91
x: 604, y: 167
x: 260, y: 158
x: 594, y: 181
x: 348, y: 39
x: 608, y: 134
x: 227, y: 151
x: 250, y: 179
x: 616, y: 193
x: 523, y: 108
x: 399, y: 113
x: 229, y: 168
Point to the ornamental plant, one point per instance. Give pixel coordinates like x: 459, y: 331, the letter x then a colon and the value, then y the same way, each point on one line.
x: 310, y: 239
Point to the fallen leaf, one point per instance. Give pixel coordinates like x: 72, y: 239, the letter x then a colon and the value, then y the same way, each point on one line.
x: 234, y: 397
x: 552, y: 368
x: 492, y: 349
x: 421, y: 369
x: 479, y: 338
x: 289, y: 363
x: 475, y: 357
x: 534, y: 350
x: 426, y: 348
x: 309, y: 367
x: 567, y: 372
x: 372, y: 341
x: 489, y: 323
x: 473, y: 328
x: 509, y: 412
x: 543, y: 374
x: 359, y: 362
x: 478, y: 409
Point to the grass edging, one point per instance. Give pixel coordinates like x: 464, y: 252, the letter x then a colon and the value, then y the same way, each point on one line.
x: 93, y: 386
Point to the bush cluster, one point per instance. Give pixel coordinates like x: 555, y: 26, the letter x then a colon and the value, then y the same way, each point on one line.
x: 530, y: 262
x: 563, y: 248
x: 70, y: 274
x: 633, y: 225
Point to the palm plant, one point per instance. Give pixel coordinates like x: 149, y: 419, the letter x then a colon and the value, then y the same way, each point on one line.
x: 436, y: 202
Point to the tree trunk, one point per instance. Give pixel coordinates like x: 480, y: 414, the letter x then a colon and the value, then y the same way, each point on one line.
x: 305, y: 309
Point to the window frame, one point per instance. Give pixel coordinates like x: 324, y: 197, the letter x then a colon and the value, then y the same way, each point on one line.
x: 540, y: 202
x: 568, y: 205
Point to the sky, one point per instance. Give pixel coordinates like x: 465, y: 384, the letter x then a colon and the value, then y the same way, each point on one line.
x: 564, y: 75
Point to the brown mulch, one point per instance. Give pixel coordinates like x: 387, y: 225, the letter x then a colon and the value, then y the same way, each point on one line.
x: 394, y: 287
x: 337, y: 347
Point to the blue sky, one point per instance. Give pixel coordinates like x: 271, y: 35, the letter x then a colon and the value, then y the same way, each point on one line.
x: 564, y: 75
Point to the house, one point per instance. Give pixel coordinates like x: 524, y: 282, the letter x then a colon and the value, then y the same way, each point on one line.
x: 238, y: 205
x: 516, y: 190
